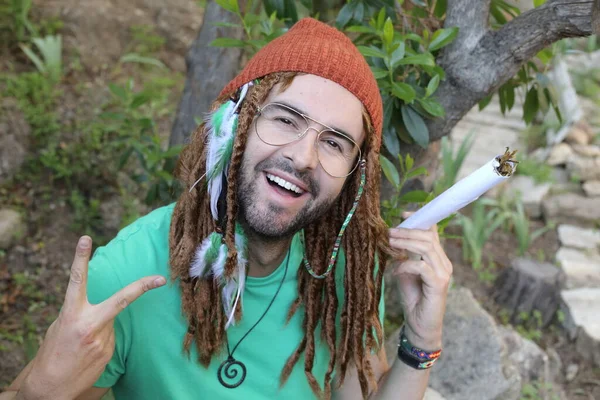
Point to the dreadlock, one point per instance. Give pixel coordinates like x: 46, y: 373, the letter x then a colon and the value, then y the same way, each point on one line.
x: 365, y: 239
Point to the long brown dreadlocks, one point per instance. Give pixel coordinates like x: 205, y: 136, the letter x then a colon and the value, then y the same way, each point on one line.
x: 365, y: 239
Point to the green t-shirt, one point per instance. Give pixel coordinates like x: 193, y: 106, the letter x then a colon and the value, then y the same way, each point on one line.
x: 149, y: 363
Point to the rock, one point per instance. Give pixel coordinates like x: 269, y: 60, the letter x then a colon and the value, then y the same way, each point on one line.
x: 469, y: 330
x: 528, y: 357
x: 431, y: 394
x: 529, y: 285
x: 581, y: 320
x: 582, y: 269
x: 571, y: 373
x: 584, y: 168
x: 592, y: 188
x: 531, y: 193
x: 591, y: 150
x: 14, y: 137
x: 560, y: 176
x: 559, y: 154
x: 579, y: 238
x: 571, y: 208
x: 578, y: 135
x: 12, y: 228
x: 554, y: 363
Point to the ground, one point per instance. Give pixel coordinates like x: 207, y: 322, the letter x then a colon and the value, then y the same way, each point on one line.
x: 34, y: 271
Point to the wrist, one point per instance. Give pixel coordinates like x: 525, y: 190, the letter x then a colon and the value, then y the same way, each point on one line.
x: 430, y: 342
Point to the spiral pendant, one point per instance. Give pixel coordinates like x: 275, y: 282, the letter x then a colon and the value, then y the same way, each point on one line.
x: 229, y: 370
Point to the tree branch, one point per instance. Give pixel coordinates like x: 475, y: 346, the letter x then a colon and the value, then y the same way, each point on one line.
x: 473, y: 71
x: 471, y: 17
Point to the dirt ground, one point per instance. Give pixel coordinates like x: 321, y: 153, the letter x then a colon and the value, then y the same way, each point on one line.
x: 34, y: 272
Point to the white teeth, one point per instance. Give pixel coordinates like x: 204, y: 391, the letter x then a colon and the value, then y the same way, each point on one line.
x: 285, y: 184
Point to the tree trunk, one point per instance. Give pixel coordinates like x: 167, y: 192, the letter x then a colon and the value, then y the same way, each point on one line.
x: 527, y: 286
x: 209, y: 70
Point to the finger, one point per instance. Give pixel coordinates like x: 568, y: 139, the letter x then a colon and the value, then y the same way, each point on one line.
x: 433, y: 285
x: 111, y: 307
x: 417, y: 234
x: 76, y: 290
x: 427, y: 250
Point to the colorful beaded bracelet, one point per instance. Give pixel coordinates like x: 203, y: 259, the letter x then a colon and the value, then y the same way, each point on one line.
x: 414, y: 356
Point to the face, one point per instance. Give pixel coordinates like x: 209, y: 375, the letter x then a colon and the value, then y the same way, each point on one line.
x: 271, y: 210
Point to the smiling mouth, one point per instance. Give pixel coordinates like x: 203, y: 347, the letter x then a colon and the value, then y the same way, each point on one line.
x: 282, y: 184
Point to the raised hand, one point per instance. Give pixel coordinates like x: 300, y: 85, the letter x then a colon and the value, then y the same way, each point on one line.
x: 81, y: 342
x: 424, y: 280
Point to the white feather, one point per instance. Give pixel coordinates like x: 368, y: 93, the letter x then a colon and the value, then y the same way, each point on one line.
x: 199, y: 267
x: 240, y: 244
x: 218, y: 267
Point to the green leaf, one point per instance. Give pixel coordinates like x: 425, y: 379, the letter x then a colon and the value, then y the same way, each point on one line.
x: 379, y: 72
x: 415, y: 125
x: 230, y: 5
x: 389, y: 170
x: 226, y: 24
x: 371, y: 52
x: 432, y: 107
x: 136, y: 58
x: 381, y: 19
x: 285, y: 9
x: 432, y: 85
x: 537, y: 3
x: 414, y: 196
x: 440, y: 8
x: 442, y: 37
x: 409, y: 162
x: 403, y: 91
x: 118, y: 91
x: 417, y: 172
x: 397, y: 55
x: 390, y: 141
x: 418, y: 59
x: 485, y: 101
x: 227, y: 42
x: 388, y: 31
x: 531, y: 105
x: 34, y: 58
x: 139, y: 99
x: 345, y: 14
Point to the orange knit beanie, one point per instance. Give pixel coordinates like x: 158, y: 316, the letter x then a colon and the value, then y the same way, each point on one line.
x: 314, y: 48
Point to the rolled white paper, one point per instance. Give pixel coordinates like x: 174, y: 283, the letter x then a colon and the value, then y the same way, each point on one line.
x: 458, y: 196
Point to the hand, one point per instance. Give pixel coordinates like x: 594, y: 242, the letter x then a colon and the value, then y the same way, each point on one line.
x: 424, y: 280
x: 81, y: 342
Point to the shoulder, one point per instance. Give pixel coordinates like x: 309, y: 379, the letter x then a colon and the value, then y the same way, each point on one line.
x: 138, y: 250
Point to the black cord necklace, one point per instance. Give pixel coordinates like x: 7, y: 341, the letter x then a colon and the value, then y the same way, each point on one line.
x: 231, y: 367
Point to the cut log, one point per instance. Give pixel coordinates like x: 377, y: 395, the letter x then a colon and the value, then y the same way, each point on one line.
x: 528, y: 286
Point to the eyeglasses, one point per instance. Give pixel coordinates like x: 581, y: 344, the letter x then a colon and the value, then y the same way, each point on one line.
x: 278, y: 125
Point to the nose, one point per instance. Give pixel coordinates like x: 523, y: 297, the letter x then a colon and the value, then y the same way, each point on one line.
x: 302, y: 152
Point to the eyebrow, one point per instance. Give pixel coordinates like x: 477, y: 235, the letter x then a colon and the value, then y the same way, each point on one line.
x: 306, y: 114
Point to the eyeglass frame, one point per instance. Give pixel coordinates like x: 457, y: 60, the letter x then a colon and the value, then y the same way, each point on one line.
x: 260, y: 109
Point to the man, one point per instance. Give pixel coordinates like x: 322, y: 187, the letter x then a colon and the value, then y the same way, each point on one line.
x: 276, y: 251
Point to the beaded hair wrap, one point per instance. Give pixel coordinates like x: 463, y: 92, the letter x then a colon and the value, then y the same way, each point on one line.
x: 338, y: 240
x: 211, y: 255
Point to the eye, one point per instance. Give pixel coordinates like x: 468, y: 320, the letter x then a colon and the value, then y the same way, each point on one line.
x: 284, y: 120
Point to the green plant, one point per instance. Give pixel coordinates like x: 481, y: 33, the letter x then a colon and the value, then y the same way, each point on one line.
x: 529, y: 325
x: 539, y: 171
x: 451, y: 165
x: 477, y: 229
x: 537, y: 390
x: 521, y: 226
x: 392, y: 209
x: 50, y: 47
x: 14, y: 20
x: 86, y: 213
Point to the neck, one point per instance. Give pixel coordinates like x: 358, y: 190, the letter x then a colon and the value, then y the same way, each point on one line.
x: 265, y: 255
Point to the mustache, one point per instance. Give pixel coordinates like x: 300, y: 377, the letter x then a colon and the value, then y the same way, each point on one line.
x: 305, y: 177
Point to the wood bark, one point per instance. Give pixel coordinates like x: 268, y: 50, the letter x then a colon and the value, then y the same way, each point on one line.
x: 209, y: 69
x: 527, y: 286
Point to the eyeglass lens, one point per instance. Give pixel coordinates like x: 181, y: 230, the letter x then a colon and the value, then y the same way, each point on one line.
x: 279, y: 125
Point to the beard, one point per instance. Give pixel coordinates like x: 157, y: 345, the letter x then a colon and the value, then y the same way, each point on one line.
x: 267, y: 223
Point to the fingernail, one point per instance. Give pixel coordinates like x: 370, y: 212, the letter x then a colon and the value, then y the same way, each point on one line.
x: 159, y: 281
x: 84, y: 242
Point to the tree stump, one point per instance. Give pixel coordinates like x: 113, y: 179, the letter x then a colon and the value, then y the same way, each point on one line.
x: 528, y: 286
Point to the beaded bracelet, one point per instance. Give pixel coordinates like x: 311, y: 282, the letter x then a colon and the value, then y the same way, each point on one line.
x: 414, y: 356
